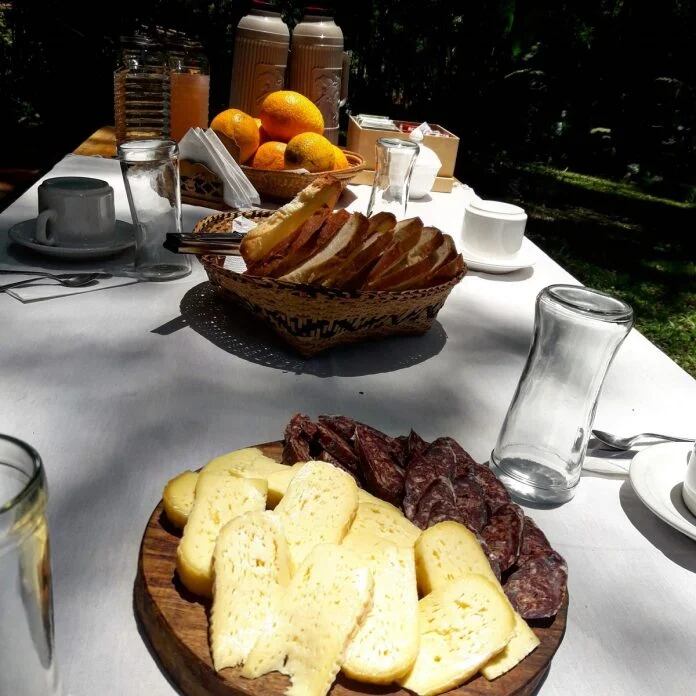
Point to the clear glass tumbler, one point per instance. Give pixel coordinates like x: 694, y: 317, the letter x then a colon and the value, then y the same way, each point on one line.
x: 26, y: 605
x: 150, y: 171
x: 542, y: 443
x: 394, y: 160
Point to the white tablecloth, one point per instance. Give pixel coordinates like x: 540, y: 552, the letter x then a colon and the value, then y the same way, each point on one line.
x: 123, y: 388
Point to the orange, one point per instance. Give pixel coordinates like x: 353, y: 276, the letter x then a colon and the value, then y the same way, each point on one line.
x: 340, y: 161
x: 270, y: 155
x: 285, y: 114
x: 240, y: 128
x: 310, y: 151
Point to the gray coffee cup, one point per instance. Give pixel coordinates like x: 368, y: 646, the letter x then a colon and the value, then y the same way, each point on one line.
x: 76, y: 211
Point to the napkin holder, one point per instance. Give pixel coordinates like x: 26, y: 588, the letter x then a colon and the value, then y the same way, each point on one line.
x: 201, y: 186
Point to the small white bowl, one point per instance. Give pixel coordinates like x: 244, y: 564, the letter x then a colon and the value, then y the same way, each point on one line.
x: 689, y: 485
x: 493, y: 229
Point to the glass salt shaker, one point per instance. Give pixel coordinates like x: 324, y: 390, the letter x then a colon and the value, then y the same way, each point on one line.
x: 394, y: 161
x: 542, y: 444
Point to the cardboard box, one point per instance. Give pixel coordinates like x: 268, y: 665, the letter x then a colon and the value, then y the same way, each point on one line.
x: 362, y: 141
x: 443, y: 184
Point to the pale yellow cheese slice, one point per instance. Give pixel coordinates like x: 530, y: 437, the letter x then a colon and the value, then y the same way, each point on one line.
x: 250, y: 462
x: 251, y: 569
x: 318, y: 508
x: 386, y: 645
x: 447, y: 551
x: 220, y: 496
x: 462, y: 626
x: 278, y: 482
x: 324, y: 605
x: 383, y: 521
x: 177, y: 497
x: 365, y: 497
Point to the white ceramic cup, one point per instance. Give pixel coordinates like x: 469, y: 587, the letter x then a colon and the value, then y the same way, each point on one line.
x: 689, y: 487
x: 493, y: 229
x: 75, y: 211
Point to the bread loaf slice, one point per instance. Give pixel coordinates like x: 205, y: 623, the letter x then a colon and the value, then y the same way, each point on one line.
x: 381, y: 222
x: 251, y: 570
x: 419, y: 276
x: 462, y: 626
x: 406, y: 235
x: 352, y: 272
x: 445, y: 273
x: 386, y: 644
x: 382, y: 521
x: 348, y: 238
x: 324, y: 606
x: 318, y: 507
x: 219, y: 497
x: 177, y: 498
x: 259, y: 242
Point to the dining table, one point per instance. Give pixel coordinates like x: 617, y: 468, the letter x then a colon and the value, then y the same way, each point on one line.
x: 120, y: 388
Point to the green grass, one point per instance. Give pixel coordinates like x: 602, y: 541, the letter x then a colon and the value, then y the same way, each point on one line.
x: 656, y: 276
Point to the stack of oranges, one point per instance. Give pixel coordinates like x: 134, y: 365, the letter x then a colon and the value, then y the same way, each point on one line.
x: 287, y: 135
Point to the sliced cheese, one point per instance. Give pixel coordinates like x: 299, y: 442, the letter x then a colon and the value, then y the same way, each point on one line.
x: 445, y: 552
x: 365, y: 497
x: 177, y: 497
x: 448, y: 551
x: 318, y: 508
x: 249, y: 462
x: 384, y: 521
x: 220, y: 496
x: 386, y: 645
x: 324, y: 605
x: 278, y: 483
x: 251, y: 568
x: 462, y: 626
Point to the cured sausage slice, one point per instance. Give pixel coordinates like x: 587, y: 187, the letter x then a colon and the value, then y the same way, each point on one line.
x: 379, y: 470
x: 415, y: 444
x: 423, y: 468
x: 538, y: 588
x: 341, y: 425
x: 534, y: 542
x: 503, y: 535
x: 299, y: 433
x: 471, y: 504
x: 493, y: 489
x: 339, y: 448
x: 438, y: 499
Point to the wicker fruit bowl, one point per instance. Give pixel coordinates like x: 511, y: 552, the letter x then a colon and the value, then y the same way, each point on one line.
x: 283, y: 186
x: 313, y: 319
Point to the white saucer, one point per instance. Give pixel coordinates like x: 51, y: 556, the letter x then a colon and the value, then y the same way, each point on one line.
x: 524, y: 258
x: 657, y: 474
x: 23, y: 233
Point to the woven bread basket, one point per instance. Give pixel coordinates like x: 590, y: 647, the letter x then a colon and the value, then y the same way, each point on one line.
x: 313, y: 319
x: 283, y: 186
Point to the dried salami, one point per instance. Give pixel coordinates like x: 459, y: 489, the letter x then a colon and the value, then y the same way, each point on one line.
x: 339, y: 448
x: 415, y: 444
x: 493, y: 489
x: 299, y: 434
x: 379, y: 470
x: 503, y: 535
x: 391, y: 444
x: 437, y: 499
x: 495, y: 566
x: 534, y: 542
x: 423, y: 468
x: 537, y: 589
x: 471, y: 504
x: 341, y: 425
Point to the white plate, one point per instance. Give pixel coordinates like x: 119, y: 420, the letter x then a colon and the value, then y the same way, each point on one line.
x: 656, y: 475
x: 524, y: 258
x: 23, y: 233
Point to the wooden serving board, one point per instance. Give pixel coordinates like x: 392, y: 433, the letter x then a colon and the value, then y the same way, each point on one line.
x: 176, y: 624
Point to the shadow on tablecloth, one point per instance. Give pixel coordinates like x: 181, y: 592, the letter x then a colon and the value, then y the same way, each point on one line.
x: 673, y: 544
x: 237, y: 332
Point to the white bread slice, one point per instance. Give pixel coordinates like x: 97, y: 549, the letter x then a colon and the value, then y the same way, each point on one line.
x: 177, y: 497
x: 278, y: 483
x: 318, y: 508
x: 462, y: 626
x: 383, y: 521
x: 220, y: 496
x: 258, y: 242
x: 386, y: 644
x: 249, y: 462
x: 251, y: 570
x: 421, y: 274
x: 405, y: 237
x: 348, y: 238
x: 324, y: 606
x: 448, y: 551
x: 381, y: 222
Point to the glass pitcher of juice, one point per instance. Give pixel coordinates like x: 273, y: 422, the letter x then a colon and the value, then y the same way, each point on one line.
x: 189, y: 87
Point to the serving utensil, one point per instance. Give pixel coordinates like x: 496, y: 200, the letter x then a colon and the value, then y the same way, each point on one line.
x: 626, y: 443
x: 68, y: 280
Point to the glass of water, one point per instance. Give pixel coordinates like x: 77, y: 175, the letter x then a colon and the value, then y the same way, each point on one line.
x: 150, y: 171
x: 394, y: 161
x: 542, y: 443
x: 26, y: 605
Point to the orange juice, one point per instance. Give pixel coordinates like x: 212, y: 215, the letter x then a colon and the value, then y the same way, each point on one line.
x: 189, y: 102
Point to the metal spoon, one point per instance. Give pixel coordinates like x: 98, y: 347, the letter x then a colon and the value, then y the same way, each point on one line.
x: 627, y: 443
x: 68, y: 280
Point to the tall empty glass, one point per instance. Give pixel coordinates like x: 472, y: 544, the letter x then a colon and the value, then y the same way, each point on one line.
x: 542, y: 443
x: 150, y: 171
x: 26, y: 606
x: 394, y: 160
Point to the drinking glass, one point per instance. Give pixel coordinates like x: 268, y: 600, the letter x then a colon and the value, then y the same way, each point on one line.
x: 394, y: 160
x: 150, y: 171
x: 542, y: 444
x: 26, y: 605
